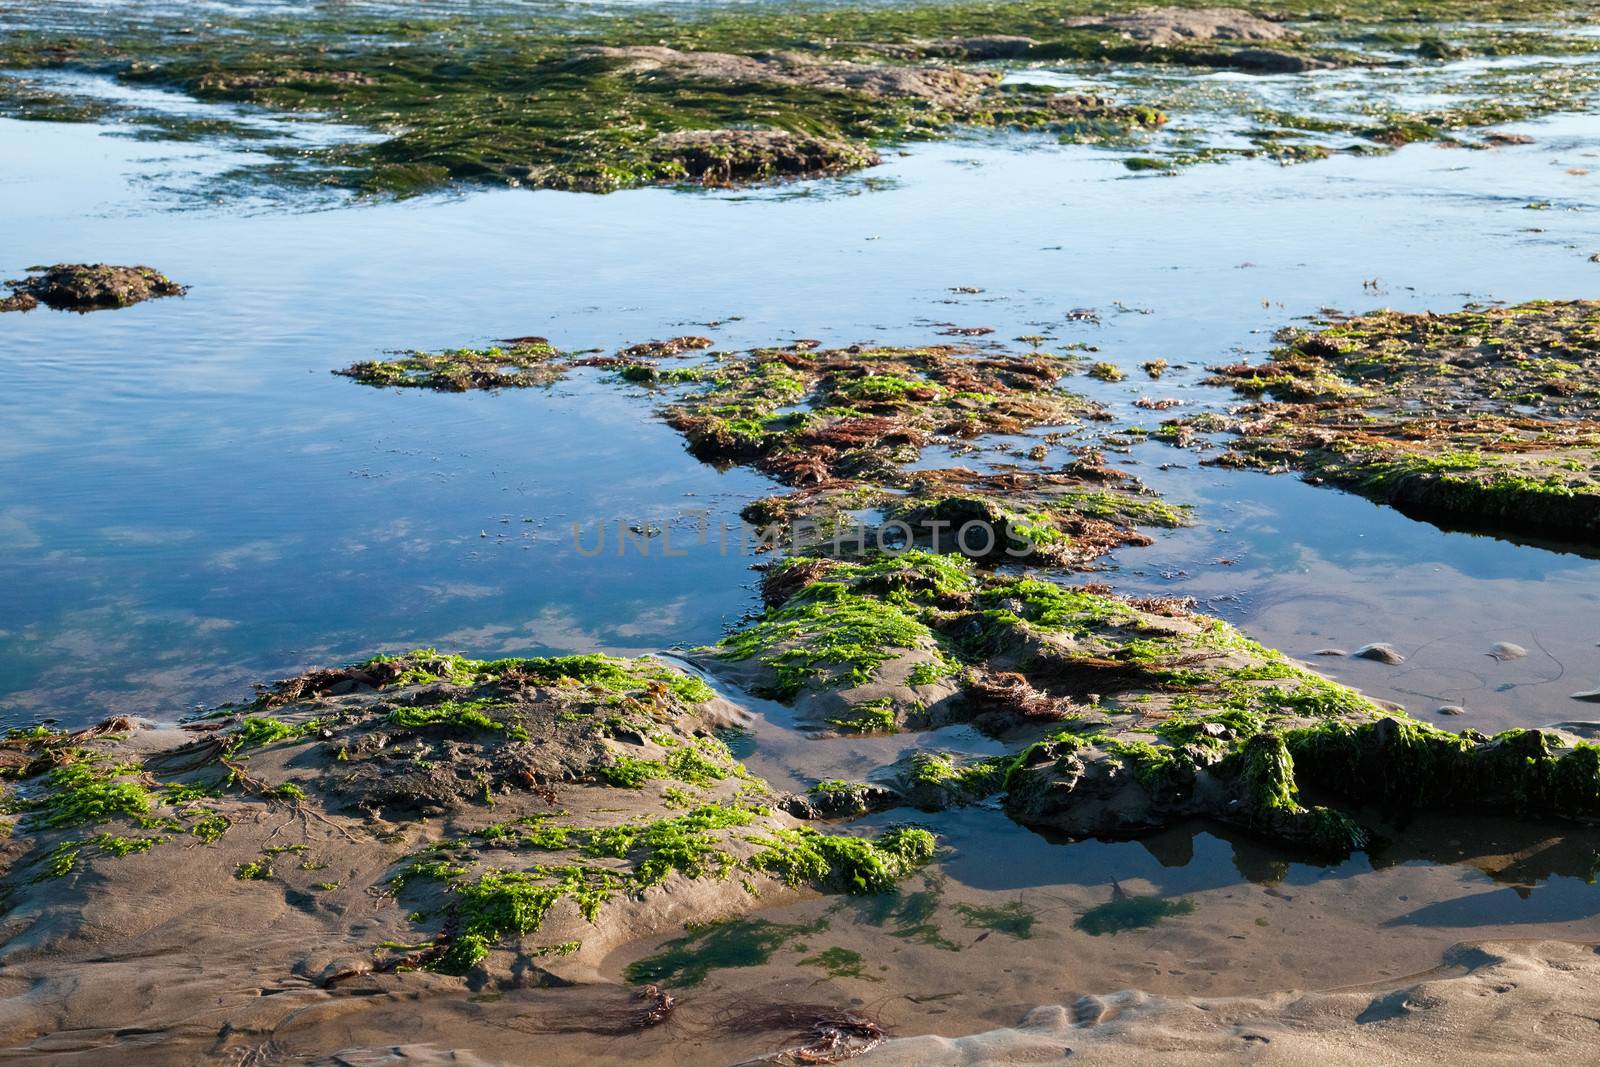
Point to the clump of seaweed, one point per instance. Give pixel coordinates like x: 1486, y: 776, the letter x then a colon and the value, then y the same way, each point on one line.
x: 522, y: 362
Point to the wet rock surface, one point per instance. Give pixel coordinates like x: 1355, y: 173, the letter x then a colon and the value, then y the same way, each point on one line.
x: 88, y: 287
x: 1123, y: 716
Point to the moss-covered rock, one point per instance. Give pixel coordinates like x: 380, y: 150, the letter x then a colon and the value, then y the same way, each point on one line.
x: 1488, y: 417
x: 515, y: 363
x: 493, y: 812
x: 88, y: 287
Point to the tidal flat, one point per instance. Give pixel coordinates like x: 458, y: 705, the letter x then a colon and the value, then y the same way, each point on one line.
x: 844, y: 591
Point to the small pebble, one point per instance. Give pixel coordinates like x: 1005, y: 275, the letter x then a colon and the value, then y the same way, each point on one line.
x: 1330, y: 652
x: 1452, y: 709
x: 1504, y: 650
x: 1380, y: 652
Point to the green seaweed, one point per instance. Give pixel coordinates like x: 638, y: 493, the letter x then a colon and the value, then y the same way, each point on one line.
x: 91, y: 791
x: 1012, y: 919
x: 840, y: 963
x: 842, y: 863
x: 1130, y: 913
x: 689, y: 960
x: 465, y: 715
x: 827, y: 633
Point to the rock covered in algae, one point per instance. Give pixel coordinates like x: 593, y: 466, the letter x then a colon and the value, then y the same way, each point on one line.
x: 389, y: 823
x: 1121, y: 716
x: 1488, y: 416
x: 88, y: 287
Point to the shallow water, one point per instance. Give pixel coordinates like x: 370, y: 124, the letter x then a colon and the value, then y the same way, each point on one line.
x: 190, y: 501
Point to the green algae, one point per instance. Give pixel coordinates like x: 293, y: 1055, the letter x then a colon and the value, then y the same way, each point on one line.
x: 1405, y: 765
x: 684, y: 844
x: 63, y: 858
x: 75, y: 788
x: 92, y: 791
x: 925, y: 934
x: 686, y: 764
x: 208, y: 825
x: 1012, y: 919
x: 500, y: 904
x: 866, y: 717
x: 615, y: 678
x: 1130, y: 913
x: 497, y: 904
x: 842, y: 863
x: 1054, y: 607
x: 863, y: 402
x: 840, y: 963
x: 911, y: 915
x: 450, y: 715
x: 1229, y: 711
x: 689, y: 960
x: 964, y: 782
x: 253, y: 871
x: 519, y: 364
x: 264, y: 730
x: 834, y: 798
x: 831, y: 634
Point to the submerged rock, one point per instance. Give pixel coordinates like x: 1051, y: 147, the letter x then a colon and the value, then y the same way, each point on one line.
x: 1505, y: 650
x: 1270, y: 61
x: 234, y: 81
x: 672, y: 346
x: 88, y: 287
x: 1380, y: 652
